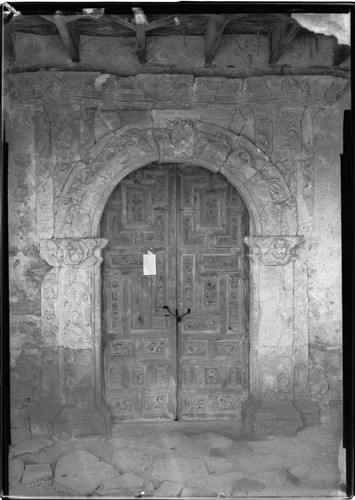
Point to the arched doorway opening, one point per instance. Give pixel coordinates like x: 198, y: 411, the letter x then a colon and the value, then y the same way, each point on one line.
x: 175, y: 341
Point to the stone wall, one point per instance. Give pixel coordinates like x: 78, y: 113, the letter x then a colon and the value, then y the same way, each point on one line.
x: 69, y: 130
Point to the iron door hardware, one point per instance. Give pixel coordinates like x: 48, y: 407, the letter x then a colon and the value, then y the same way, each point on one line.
x: 176, y: 313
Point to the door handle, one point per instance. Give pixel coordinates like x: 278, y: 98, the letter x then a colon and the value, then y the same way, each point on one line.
x: 176, y: 313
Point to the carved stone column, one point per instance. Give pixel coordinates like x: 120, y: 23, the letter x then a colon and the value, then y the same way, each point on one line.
x: 72, y: 313
x: 278, y: 336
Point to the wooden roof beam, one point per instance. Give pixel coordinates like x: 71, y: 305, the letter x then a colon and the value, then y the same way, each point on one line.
x: 141, y: 43
x: 69, y: 34
x: 281, y: 38
x: 140, y: 30
x: 214, y: 31
x: 165, y: 21
x: 9, y: 46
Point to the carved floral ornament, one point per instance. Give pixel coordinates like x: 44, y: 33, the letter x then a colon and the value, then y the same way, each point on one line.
x: 78, y: 209
x: 72, y: 252
x: 179, y: 91
x: 273, y: 251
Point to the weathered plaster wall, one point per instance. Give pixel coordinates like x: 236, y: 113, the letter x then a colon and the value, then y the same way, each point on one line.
x: 56, y: 121
x: 26, y: 270
x: 324, y: 267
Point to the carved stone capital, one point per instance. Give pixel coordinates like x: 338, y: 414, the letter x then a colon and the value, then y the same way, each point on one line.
x: 70, y: 252
x: 273, y: 250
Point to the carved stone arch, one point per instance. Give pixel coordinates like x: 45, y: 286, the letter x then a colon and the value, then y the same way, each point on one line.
x: 257, y: 179
x: 278, y: 333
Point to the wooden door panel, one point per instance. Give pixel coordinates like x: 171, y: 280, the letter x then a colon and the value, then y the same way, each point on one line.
x: 139, y: 341
x: 213, y: 346
x: 194, y: 221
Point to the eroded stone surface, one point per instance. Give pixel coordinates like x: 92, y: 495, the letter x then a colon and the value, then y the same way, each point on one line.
x: 19, y: 435
x: 169, y: 489
x: 16, y: 468
x: 34, y: 473
x: 246, y: 485
x: 81, y: 472
x: 188, y: 470
x: 223, y: 483
x: 213, y: 440
x: 126, y: 482
x: 197, y: 493
x: 33, y: 445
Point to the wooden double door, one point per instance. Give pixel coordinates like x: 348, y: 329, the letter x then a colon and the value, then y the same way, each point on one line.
x: 175, y: 343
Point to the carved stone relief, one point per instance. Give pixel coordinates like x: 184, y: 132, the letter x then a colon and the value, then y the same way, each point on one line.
x: 272, y: 191
x: 83, y: 189
x: 155, y: 91
x: 274, y: 251
x: 75, y: 264
x: 281, y: 317
x: 263, y: 132
x: 44, y: 173
x: 176, y: 140
x: 174, y: 91
x: 49, y: 293
x: 87, y: 132
x: 275, y: 374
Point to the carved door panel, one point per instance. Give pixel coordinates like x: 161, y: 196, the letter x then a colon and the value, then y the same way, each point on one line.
x: 139, y: 341
x: 213, y: 281
x: 155, y: 368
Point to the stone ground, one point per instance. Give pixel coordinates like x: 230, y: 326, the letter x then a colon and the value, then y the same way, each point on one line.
x: 178, y: 460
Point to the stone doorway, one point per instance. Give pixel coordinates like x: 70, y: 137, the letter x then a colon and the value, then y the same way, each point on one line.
x: 157, y: 364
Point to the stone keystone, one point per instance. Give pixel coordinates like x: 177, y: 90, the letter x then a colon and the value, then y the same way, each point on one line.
x: 80, y: 472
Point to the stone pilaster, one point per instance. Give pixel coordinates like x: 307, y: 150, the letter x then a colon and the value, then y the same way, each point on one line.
x: 74, y: 306
x: 44, y: 173
x: 277, y: 343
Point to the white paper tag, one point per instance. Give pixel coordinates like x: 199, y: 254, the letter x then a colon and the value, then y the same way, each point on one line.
x: 149, y: 264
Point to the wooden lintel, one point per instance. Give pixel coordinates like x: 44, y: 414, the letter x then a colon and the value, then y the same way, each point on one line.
x: 141, y: 43
x: 281, y: 38
x: 213, y: 36
x: 341, y: 53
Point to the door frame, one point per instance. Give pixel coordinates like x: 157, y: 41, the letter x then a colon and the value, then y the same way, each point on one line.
x: 176, y: 248
x: 278, y: 364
